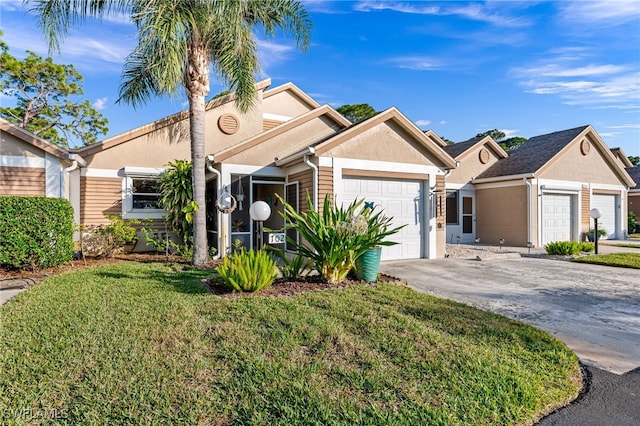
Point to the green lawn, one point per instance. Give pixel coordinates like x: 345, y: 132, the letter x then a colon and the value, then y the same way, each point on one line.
x: 627, y: 245
x: 624, y: 260
x: 138, y: 343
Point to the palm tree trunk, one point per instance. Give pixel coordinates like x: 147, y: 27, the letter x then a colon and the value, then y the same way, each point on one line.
x: 197, y: 84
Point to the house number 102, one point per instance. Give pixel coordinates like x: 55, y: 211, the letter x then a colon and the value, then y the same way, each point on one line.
x: 277, y: 238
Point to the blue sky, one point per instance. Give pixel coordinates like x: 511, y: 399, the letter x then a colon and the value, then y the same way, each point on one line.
x: 458, y: 68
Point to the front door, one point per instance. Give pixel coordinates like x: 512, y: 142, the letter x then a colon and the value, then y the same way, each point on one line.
x: 468, y: 219
x: 273, y: 228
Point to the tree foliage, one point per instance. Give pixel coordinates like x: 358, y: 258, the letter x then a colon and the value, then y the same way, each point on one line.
x: 635, y: 160
x: 508, y: 144
x: 356, y: 113
x: 46, y: 105
x: 176, y: 196
x: 179, y: 43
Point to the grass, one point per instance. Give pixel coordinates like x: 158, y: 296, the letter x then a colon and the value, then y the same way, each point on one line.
x: 140, y: 343
x: 624, y: 260
x: 634, y: 235
x: 627, y: 245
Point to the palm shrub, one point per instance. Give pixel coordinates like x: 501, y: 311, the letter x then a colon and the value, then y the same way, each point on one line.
x: 248, y: 270
x: 176, y: 198
x: 335, y: 238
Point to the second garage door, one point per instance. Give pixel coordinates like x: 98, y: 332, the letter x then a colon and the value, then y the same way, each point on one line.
x: 557, y: 217
x: 400, y: 199
x: 607, y: 206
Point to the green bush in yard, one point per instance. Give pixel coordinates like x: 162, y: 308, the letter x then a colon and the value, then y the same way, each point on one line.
x: 568, y: 248
x: 35, y: 232
x: 248, y: 270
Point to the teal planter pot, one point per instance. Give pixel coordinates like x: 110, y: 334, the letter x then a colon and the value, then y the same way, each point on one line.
x: 367, y: 265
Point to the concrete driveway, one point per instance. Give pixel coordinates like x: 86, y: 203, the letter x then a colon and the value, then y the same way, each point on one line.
x: 594, y: 309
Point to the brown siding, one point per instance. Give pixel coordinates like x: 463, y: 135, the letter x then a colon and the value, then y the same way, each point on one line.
x: 305, y: 184
x: 268, y: 124
x: 325, y: 184
x: 634, y: 203
x: 22, y: 181
x: 502, y: 213
x: 585, y: 218
x: 441, y: 214
x: 99, y: 197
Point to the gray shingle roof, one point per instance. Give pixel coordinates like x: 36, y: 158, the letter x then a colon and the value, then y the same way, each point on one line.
x: 634, y: 172
x: 533, y: 154
x: 458, y: 148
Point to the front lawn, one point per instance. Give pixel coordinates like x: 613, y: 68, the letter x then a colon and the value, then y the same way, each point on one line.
x: 134, y: 343
x: 624, y: 260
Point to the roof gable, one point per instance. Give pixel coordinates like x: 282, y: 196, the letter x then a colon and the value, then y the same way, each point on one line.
x: 459, y: 149
x: 295, y: 91
x: 622, y: 157
x: 634, y: 172
x: 33, y: 139
x: 390, y: 115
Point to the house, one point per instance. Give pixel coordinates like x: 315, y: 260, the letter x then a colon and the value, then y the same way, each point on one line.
x: 31, y: 166
x: 543, y: 191
x: 634, y: 191
x: 287, y: 145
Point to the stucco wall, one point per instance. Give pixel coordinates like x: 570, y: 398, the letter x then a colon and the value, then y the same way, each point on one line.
x: 375, y: 144
x: 11, y: 145
x: 572, y: 165
x: 502, y: 213
x: 285, y: 103
x: 470, y: 165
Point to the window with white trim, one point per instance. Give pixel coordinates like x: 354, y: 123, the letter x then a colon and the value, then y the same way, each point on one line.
x: 141, y: 196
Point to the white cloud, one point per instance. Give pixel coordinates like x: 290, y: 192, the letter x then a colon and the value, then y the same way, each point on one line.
x: 442, y: 122
x: 604, y: 13
x: 271, y: 53
x: 474, y: 12
x: 417, y: 63
x: 100, y: 103
x: 509, y: 133
x: 626, y: 126
x: 423, y: 122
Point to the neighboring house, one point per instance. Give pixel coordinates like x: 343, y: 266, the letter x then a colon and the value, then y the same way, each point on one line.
x: 543, y: 191
x: 31, y: 166
x: 472, y: 157
x: 287, y: 145
x: 634, y: 192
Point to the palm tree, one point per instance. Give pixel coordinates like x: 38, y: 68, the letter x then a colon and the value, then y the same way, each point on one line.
x: 179, y: 41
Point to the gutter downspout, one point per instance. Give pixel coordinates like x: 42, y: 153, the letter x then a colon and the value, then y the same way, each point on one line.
x: 527, y: 181
x: 209, y: 164
x: 313, y: 167
x: 69, y: 169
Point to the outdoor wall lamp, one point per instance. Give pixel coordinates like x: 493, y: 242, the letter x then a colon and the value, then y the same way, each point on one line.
x: 260, y: 211
x: 595, y: 214
x: 501, y: 243
x: 529, y: 246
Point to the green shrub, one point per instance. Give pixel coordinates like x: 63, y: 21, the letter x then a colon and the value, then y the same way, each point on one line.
x: 568, y: 248
x: 248, y: 270
x: 107, y: 240
x: 35, y: 232
x: 335, y: 238
x: 292, y: 267
x: 176, y: 198
x: 632, y: 222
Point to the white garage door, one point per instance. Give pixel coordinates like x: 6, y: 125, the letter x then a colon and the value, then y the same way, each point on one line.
x: 607, y: 206
x: 557, y: 217
x: 401, y: 200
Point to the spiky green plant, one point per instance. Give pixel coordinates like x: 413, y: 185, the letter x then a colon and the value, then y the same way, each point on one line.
x: 248, y: 270
x: 335, y: 238
x: 293, y: 266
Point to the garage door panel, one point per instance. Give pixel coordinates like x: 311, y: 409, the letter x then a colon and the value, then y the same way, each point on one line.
x: 398, y: 199
x: 607, y: 206
x: 557, y: 217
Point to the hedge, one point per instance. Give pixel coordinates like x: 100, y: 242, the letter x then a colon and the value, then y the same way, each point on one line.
x: 35, y: 232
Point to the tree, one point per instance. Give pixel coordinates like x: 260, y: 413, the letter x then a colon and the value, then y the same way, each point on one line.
x: 508, y: 144
x: 43, y: 92
x: 178, y: 43
x: 356, y: 113
x: 635, y: 160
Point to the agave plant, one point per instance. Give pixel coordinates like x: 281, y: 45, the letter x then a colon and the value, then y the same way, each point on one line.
x: 335, y: 238
x: 248, y: 270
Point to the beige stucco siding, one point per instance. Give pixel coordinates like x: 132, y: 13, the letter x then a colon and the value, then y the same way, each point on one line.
x: 284, y: 144
x: 384, y: 142
x: 502, y: 213
x: 634, y: 203
x: 22, y: 181
x: 11, y: 145
x: 571, y: 165
x: 158, y: 147
x: 100, y: 197
x: 471, y: 166
x: 286, y: 104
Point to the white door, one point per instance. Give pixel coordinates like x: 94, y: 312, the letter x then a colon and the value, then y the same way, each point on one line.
x: 607, y: 206
x: 400, y: 199
x: 557, y: 217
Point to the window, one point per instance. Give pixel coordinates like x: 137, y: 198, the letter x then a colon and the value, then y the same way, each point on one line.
x: 144, y: 193
x: 452, y: 207
x: 140, y: 196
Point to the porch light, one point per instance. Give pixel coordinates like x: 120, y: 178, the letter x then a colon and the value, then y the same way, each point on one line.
x: 260, y: 211
x: 595, y: 215
x: 529, y: 246
x: 501, y: 243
